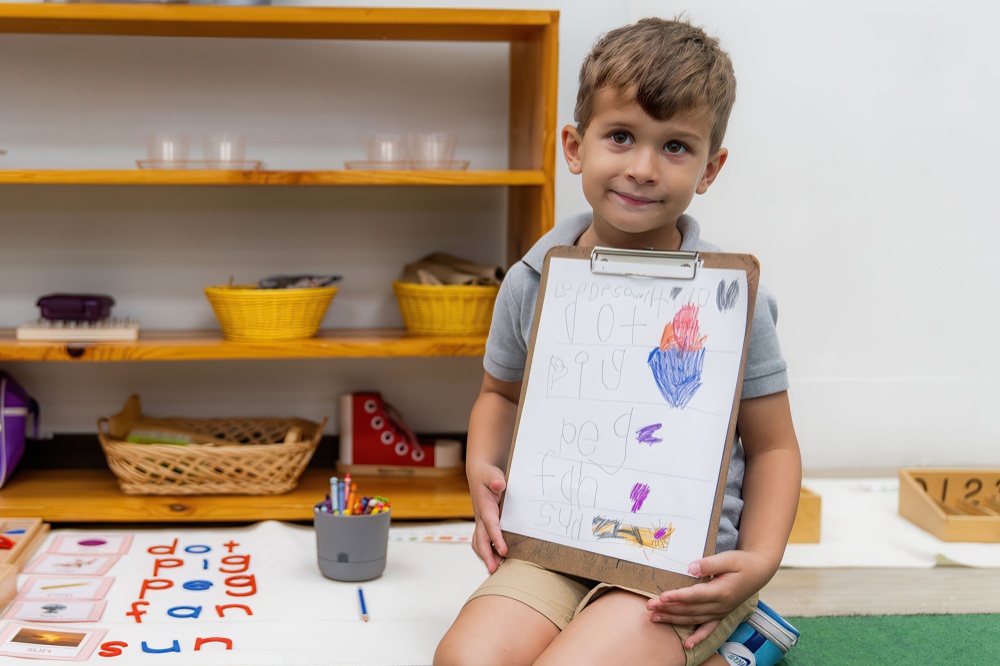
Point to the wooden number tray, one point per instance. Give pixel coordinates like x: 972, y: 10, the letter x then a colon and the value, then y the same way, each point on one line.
x: 952, y: 504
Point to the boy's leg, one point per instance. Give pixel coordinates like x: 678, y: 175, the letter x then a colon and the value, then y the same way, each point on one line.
x: 513, y: 616
x: 615, y: 629
x: 613, y: 625
x: 495, y: 630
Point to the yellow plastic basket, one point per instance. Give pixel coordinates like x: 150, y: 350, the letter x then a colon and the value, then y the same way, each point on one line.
x: 446, y: 309
x: 247, y: 313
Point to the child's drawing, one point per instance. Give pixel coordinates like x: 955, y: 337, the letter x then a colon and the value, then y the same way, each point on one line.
x: 640, y: 492
x: 644, y: 537
x: 726, y: 298
x: 647, y: 435
x: 678, y: 361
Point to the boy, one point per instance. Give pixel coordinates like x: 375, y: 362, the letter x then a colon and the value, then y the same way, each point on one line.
x: 651, y: 112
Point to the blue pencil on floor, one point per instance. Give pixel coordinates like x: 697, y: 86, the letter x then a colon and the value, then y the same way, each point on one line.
x: 364, y: 608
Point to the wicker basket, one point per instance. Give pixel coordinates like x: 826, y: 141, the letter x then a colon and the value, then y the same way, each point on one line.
x: 247, y: 458
x: 446, y: 309
x: 247, y: 313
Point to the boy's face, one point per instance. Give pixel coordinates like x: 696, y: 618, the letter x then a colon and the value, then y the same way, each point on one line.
x: 640, y: 174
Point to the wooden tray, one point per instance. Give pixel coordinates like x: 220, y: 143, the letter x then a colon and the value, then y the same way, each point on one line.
x: 952, y: 504
x: 27, y: 535
x: 8, y: 584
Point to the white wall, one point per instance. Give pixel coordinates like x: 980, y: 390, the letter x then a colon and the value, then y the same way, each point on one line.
x: 861, y: 152
x: 862, y: 169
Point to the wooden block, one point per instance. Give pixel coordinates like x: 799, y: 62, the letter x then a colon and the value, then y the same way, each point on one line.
x: 27, y: 535
x: 8, y: 584
x: 951, y: 504
x: 806, y: 528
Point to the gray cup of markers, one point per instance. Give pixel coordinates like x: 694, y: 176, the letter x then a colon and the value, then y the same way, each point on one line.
x: 351, y: 548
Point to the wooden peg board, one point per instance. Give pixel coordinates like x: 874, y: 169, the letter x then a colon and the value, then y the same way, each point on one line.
x: 27, y: 535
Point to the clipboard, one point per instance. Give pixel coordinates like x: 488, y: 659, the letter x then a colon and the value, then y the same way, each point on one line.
x: 598, y: 310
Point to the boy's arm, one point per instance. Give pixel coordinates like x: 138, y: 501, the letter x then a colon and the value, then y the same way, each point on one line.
x: 772, y: 481
x: 491, y: 430
x: 771, y: 486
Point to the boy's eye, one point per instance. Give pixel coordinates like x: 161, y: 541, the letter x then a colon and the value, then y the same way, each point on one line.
x: 674, y: 147
x: 620, y: 138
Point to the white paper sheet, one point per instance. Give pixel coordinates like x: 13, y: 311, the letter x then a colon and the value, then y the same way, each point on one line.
x: 624, y: 421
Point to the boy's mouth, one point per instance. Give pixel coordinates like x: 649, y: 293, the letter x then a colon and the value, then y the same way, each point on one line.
x: 635, y: 199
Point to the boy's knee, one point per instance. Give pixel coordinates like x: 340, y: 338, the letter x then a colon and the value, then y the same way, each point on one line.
x: 452, y: 651
x: 446, y: 653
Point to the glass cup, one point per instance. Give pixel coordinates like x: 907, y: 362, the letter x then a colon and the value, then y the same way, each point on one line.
x: 167, y: 149
x: 224, y: 147
x: 387, y: 147
x: 428, y: 149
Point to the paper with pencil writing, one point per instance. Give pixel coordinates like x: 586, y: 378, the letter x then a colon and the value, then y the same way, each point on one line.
x: 625, y: 414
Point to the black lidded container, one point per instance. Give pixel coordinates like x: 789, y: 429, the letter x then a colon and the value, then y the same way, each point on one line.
x: 75, y: 307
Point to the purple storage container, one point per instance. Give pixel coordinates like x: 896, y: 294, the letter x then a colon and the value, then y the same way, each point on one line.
x: 15, y: 408
x: 75, y: 307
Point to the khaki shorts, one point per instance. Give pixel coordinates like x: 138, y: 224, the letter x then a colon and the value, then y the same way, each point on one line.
x: 560, y: 598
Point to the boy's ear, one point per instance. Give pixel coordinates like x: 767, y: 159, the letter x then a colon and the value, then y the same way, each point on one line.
x: 712, y: 170
x: 572, y: 144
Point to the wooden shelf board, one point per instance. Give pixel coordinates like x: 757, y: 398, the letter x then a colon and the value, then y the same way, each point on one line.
x: 271, y: 178
x: 210, y: 345
x: 276, y: 22
x: 88, y: 495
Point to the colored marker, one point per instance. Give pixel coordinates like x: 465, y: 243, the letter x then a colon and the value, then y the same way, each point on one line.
x: 349, y: 506
x: 364, y: 608
x: 334, y: 495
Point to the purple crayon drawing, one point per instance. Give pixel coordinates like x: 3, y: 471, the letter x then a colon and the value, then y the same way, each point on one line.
x: 678, y: 361
x: 647, y: 435
x: 640, y: 492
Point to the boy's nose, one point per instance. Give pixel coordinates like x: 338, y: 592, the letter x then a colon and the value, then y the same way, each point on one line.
x: 642, y: 165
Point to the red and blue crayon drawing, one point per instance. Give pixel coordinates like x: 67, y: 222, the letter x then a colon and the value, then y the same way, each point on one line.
x: 677, y: 363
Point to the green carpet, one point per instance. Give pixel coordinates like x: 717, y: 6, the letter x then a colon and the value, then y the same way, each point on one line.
x: 884, y: 640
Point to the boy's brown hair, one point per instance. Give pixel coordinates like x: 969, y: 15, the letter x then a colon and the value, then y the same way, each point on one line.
x: 668, y: 67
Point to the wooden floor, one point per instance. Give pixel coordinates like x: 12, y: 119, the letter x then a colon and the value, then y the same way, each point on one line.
x: 941, y: 590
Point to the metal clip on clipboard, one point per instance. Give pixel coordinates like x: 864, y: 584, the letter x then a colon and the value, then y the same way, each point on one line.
x: 677, y: 264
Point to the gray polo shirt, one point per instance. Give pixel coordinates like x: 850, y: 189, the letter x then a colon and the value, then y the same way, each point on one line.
x: 507, y: 346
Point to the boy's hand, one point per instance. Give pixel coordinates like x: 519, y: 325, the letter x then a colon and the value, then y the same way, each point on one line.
x: 733, y: 576
x: 486, y: 485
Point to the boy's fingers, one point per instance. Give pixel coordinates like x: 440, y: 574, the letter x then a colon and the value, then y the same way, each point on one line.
x: 481, y: 545
x: 713, y: 565
x: 701, y: 633
x: 497, y: 485
x: 496, y: 536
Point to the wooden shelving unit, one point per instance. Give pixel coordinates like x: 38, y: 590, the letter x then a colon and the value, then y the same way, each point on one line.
x: 210, y: 346
x: 263, y: 177
x: 81, y: 496
x: 84, y: 495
